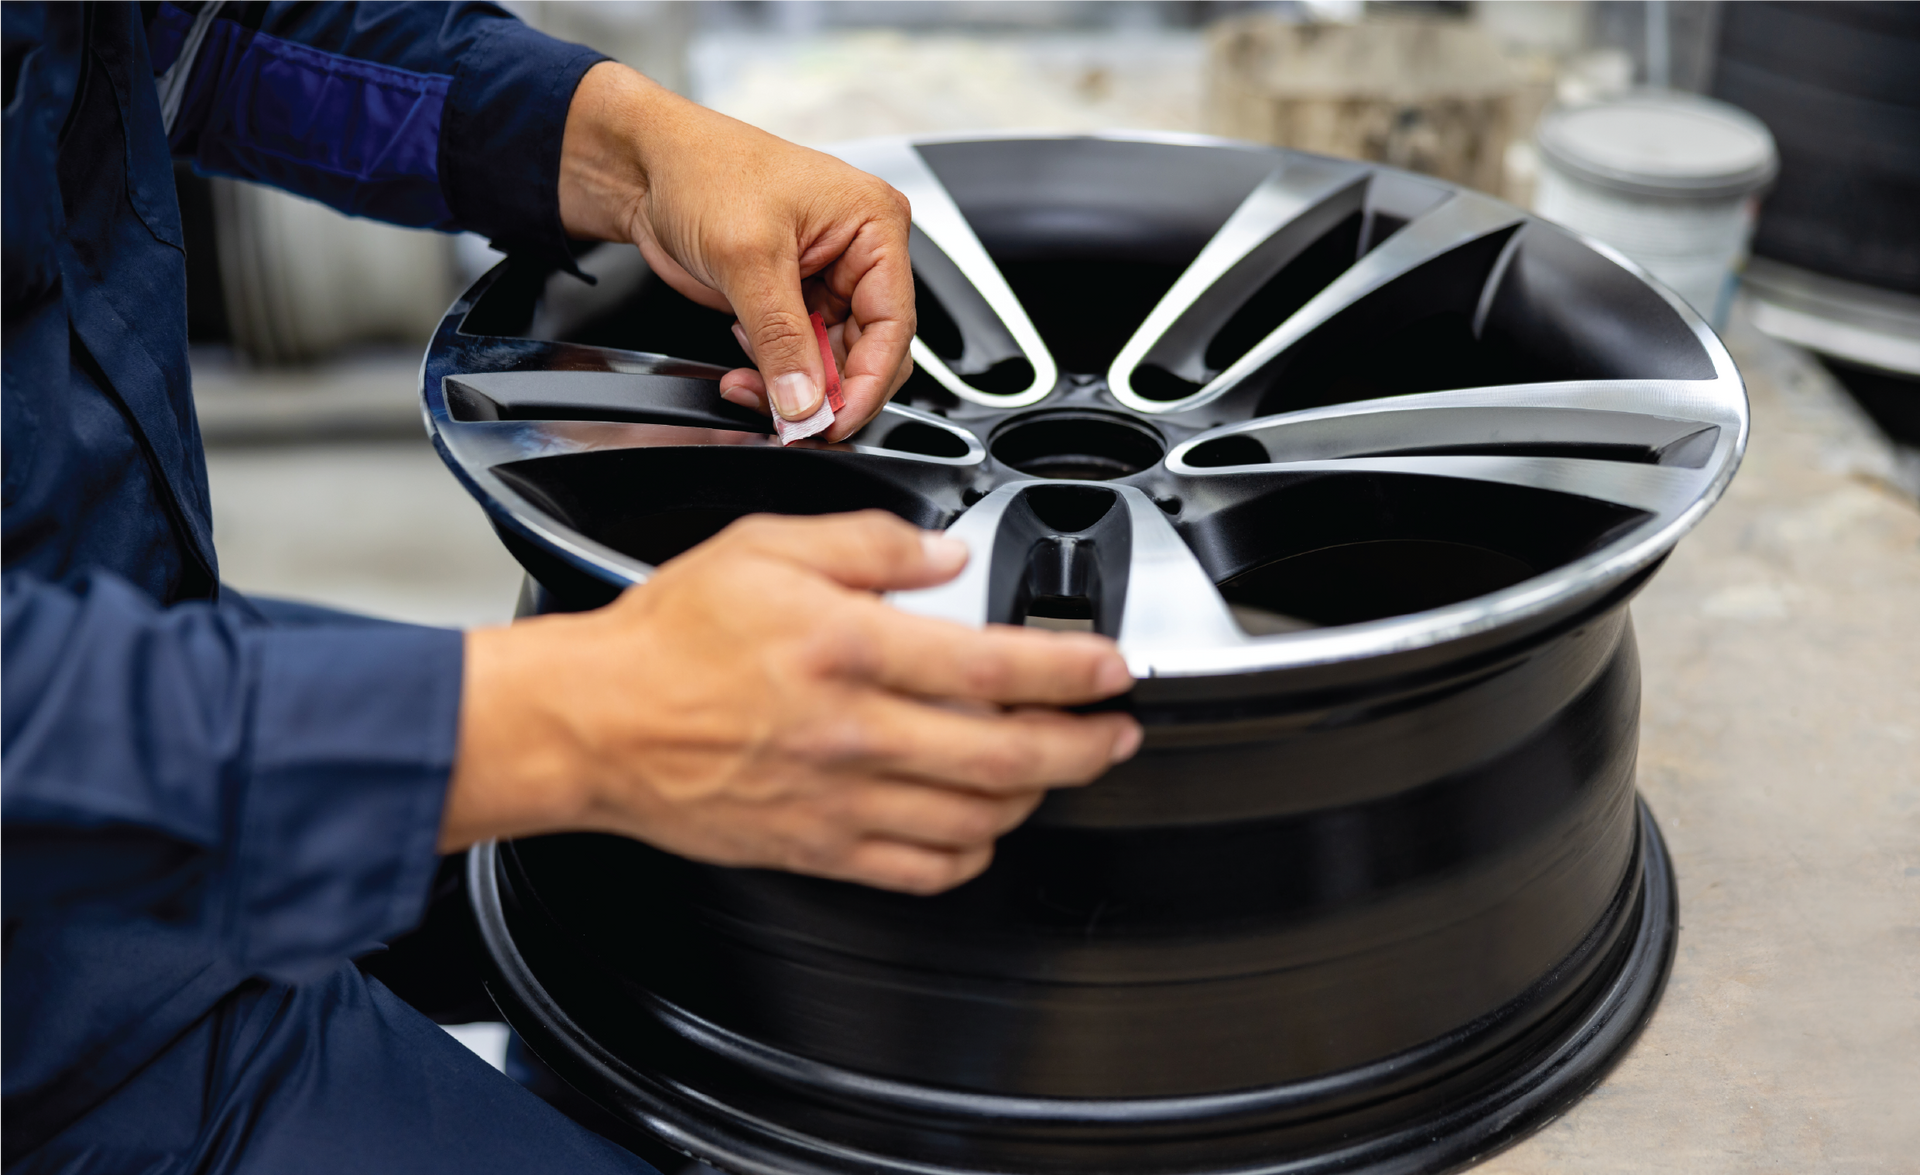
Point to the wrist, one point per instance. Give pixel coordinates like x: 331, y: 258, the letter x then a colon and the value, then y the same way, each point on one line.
x: 604, y: 172
x: 518, y: 768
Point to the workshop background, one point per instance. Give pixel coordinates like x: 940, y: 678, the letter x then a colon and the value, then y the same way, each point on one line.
x: 1781, y: 719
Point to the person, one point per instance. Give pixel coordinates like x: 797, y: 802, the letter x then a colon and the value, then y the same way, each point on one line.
x: 213, y: 804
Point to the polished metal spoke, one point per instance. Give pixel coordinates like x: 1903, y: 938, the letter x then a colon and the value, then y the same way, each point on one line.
x: 994, y: 325
x: 1171, y: 606
x: 1291, y: 209
x: 1460, y: 219
x: 1649, y: 444
x: 1654, y: 489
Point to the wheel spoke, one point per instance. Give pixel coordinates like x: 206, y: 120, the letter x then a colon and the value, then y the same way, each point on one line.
x: 950, y: 260
x: 1647, y: 444
x: 1299, y: 203
x: 1142, y: 584
x: 1662, y: 422
x: 1462, y: 219
x: 561, y: 399
x: 1173, y: 606
x: 1654, y: 489
x: 457, y: 352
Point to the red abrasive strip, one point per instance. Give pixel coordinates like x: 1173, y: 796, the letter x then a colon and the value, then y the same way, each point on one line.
x: 835, y: 400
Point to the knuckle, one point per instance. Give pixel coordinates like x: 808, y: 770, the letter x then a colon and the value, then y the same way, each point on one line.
x: 975, y: 822
x: 753, y: 526
x: 843, y: 738
x: 780, y: 329
x: 895, y: 200
x: 988, y: 676
x: 744, y: 241
x: 816, y: 851
x: 967, y: 866
x: 929, y: 876
x: 1009, y: 761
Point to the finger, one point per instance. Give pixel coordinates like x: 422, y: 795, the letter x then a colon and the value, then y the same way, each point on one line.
x: 841, y: 336
x: 876, y: 277
x: 735, y: 389
x: 871, y: 550
x: 743, y: 385
x: 1000, y: 663
x: 939, y: 817
x: 764, y: 290
x: 1018, y: 752
x: 912, y: 868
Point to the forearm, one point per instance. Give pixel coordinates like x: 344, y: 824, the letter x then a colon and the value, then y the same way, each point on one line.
x: 295, y: 776
x: 435, y: 115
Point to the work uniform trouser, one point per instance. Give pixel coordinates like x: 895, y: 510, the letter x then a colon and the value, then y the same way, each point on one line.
x: 332, y: 1076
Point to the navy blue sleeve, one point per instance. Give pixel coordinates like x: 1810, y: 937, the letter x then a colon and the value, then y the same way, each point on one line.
x: 446, y: 116
x: 281, y: 786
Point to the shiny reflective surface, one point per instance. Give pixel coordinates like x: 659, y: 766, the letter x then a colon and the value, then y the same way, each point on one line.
x: 1359, y: 470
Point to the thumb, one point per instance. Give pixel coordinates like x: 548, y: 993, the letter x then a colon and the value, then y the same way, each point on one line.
x: 774, y: 316
x: 869, y: 551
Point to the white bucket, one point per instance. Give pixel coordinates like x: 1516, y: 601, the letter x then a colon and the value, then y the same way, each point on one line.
x: 1671, y: 180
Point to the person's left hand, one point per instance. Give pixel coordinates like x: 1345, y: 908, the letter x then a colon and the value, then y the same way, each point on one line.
x: 741, y: 221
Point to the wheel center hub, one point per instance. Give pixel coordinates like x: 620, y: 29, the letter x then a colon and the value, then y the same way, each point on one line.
x: 1077, y: 445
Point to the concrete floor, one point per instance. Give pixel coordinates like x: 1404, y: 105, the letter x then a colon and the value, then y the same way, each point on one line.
x: 370, y: 526
x: 1780, y: 752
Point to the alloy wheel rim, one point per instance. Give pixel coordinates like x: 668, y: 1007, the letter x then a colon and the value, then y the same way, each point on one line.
x: 1656, y: 451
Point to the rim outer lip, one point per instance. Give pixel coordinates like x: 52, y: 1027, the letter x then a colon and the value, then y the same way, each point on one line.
x: 1526, y: 1100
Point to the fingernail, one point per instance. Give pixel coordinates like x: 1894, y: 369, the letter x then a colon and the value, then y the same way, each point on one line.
x: 741, y: 396
x: 740, y: 336
x: 1113, y: 678
x: 943, y: 554
x: 1127, y: 743
x: 794, y: 395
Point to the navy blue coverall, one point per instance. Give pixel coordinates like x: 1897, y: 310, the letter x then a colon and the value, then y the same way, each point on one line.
x: 207, y: 813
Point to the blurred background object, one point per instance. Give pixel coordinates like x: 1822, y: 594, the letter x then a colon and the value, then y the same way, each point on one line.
x: 1438, y: 96
x: 301, y: 281
x: 834, y: 86
x: 650, y: 35
x: 1671, y: 43
x: 1837, y: 266
x: 1671, y: 180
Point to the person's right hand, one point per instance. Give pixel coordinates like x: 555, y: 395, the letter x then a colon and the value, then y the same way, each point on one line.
x: 757, y: 704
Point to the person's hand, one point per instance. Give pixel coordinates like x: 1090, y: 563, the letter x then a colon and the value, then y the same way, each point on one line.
x: 831, y: 734
x: 741, y: 221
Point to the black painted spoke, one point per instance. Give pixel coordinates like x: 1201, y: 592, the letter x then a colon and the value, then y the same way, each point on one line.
x: 997, y: 341
x: 455, y: 351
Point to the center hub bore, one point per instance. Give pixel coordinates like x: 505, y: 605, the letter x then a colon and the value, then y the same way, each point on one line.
x: 1077, y: 445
